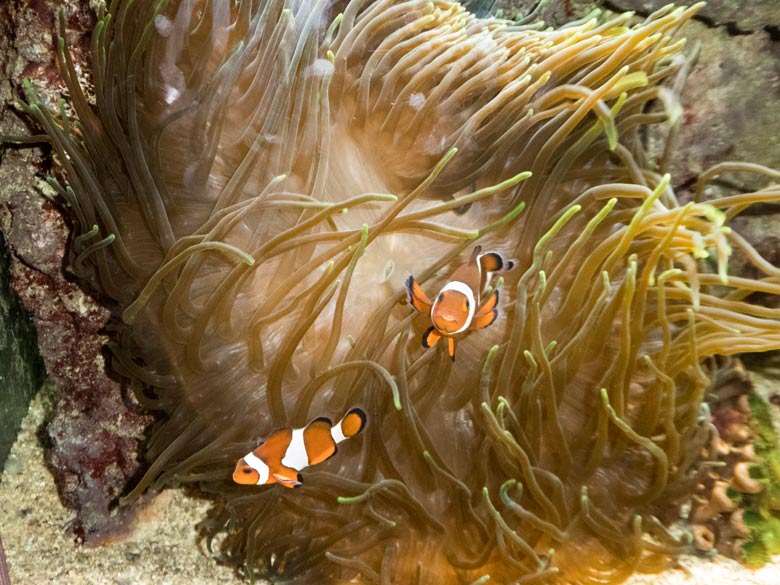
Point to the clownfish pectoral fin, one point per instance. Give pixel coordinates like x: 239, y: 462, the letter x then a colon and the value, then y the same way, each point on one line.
x: 289, y: 478
x: 451, y: 348
x: 487, y: 314
x: 417, y: 297
x: 430, y: 338
x: 290, y: 484
x: 490, y: 304
x: 485, y: 320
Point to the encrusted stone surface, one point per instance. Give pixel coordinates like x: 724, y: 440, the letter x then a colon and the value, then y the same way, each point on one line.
x: 553, y: 13
x: 731, y: 102
x: 94, y: 433
x: 21, y: 368
x: 738, y: 16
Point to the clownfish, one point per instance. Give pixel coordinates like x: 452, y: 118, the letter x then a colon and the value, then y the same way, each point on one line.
x: 458, y: 307
x: 280, y: 457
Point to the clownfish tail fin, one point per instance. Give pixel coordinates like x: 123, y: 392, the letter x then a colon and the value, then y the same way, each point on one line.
x: 417, y: 298
x: 494, y: 262
x: 349, y: 426
x: 353, y: 422
x: 491, y: 262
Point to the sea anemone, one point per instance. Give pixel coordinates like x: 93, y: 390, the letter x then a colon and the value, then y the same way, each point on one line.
x: 252, y: 186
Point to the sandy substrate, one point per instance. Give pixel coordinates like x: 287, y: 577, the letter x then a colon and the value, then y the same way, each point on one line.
x: 162, y: 549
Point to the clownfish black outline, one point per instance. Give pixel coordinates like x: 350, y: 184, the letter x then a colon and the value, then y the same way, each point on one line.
x: 285, y: 452
x: 458, y: 308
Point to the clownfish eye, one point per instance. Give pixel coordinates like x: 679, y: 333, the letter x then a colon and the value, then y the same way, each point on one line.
x: 247, y: 470
x: 441, y: 297
x: 467, y: 304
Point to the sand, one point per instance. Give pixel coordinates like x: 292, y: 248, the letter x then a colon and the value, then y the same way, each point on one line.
x: 162, y: 548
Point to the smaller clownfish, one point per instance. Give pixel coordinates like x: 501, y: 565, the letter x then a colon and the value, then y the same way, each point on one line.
x: 458, y: 307
x: 287, y: 451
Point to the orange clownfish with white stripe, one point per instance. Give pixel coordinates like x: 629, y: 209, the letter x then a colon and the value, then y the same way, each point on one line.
x: 458, y: 307
x: 281, y: 457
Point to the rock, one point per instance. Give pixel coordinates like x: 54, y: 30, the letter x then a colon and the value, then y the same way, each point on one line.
x: 725, y: 117
x: 21, y: 368
x: 736, y: 16
x: 552, y: 12
x: 94, y: 431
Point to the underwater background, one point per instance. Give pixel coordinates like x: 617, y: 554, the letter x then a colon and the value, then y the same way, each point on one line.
x: 725, y: 118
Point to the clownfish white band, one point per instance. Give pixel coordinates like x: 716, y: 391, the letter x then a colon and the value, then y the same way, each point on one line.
x: 336, y: 433
x: 466, y: 291
x: 296, y: 456
x: 259, y: 466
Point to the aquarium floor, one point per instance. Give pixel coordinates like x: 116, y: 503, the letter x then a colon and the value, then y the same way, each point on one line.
x: 162, y: 548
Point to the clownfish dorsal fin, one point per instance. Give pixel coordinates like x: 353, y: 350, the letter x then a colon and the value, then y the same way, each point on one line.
x: 275, y: 445
x: 470, y: 273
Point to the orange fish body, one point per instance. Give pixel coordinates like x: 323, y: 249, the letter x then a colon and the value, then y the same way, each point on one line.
x: 458, y: 307
x: 281, y: 457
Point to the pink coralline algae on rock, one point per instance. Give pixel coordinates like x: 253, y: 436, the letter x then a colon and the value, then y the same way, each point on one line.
x: 94, y: 431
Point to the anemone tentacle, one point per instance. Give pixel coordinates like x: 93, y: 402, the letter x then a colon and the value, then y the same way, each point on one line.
x: 255, y: 182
